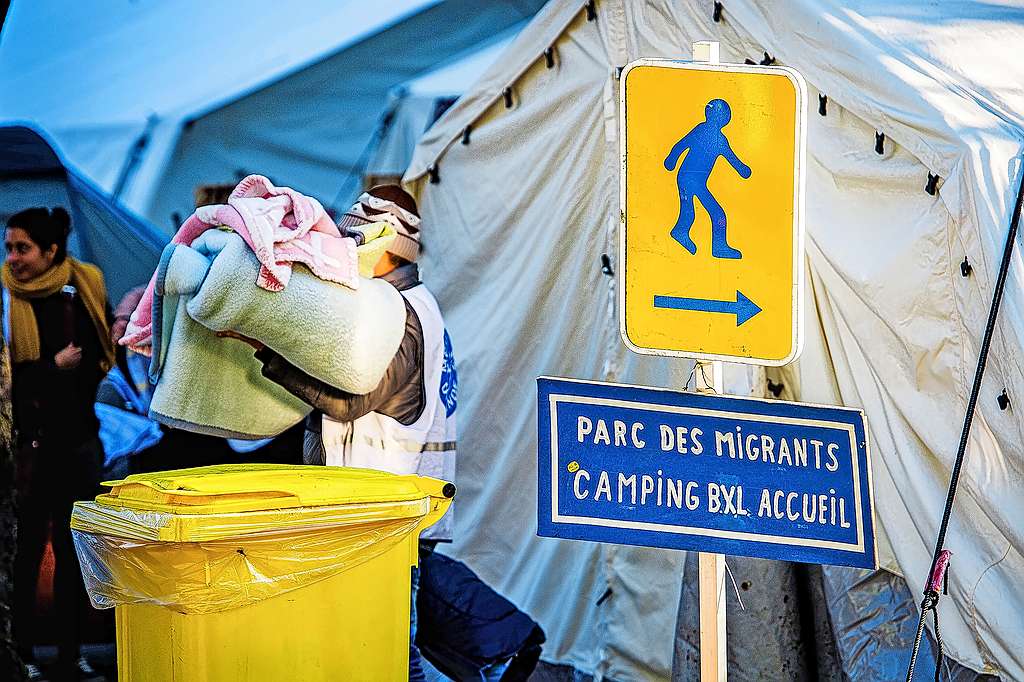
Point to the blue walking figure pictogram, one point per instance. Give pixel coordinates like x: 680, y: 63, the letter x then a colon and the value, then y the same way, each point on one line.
x: 706, y: 143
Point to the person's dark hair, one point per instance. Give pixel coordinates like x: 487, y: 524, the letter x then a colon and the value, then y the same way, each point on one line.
x: 46, y: 227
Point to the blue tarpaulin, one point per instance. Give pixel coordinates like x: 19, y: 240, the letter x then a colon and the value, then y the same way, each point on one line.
x: 34, y: 173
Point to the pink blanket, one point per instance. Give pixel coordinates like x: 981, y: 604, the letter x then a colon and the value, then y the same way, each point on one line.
x: 281, y: 226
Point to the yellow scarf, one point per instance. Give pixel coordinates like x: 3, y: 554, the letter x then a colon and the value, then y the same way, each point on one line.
x: 85, y: 277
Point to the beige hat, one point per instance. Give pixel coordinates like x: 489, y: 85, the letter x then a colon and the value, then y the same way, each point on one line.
x: 391, y: 204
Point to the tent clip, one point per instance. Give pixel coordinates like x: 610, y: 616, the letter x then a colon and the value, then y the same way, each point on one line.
x: 776, y: 388
x: 465, y: 134
x: 823, y: 105
x: 606, y: 265
x: 933, y: 184
x: 966, y: 268
x: 717, y: 16
x: 749, y: 62
x: 591, y: 10
x: 767, y: 60
x: 605, y: 596
x: 508, y: 97
x: 1003, y: 399
x: 879, y: 143
x: 549, y: 57
x: 435, y: 177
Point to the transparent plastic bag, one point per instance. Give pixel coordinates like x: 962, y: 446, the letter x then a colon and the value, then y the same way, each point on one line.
x: 247, y: 558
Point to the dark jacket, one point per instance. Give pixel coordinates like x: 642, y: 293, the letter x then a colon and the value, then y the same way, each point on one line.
x: 400, y: 393
x: 465, y: 626
x: 54, y: 407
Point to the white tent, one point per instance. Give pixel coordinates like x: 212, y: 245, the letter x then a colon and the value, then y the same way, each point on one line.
x: 419, y: 102
x: 93, y: 75
x: 151, y: 100
x: 524, y: 213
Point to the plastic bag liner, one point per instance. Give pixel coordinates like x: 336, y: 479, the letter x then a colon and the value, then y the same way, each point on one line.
x: 157, y: 539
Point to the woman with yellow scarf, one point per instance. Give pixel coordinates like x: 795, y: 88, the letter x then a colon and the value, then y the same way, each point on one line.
x: 56, y: 321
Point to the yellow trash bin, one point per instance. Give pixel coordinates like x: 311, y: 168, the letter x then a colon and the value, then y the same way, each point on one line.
x: 258, y: 572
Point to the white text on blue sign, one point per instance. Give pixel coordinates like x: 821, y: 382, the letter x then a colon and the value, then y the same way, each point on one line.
x: 711, y: 473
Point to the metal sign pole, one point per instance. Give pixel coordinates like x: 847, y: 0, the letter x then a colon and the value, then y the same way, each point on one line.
x: 711, y: 567
x: 670, y: 280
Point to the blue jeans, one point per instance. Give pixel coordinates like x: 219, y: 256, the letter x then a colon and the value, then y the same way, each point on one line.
x: 491, y: 673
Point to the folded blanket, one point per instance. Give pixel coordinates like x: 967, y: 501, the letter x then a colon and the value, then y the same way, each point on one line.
x: 281, y: 226
x: 341, y: 336
x: 208, y: 384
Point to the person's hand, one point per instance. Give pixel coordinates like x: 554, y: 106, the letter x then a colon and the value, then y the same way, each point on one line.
x: 118, y: 329
x: 68, y: 358
x: 228, y: 334
x: 744, y: 172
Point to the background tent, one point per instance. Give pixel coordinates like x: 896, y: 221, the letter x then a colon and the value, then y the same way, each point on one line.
x: 419, y: 103
x: 168, y: 96
x: 103, y: 82
x: 525, y: 214
x: 33, y: 173
x: 310, y: 128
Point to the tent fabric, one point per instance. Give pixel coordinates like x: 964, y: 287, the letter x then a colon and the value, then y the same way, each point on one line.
x: 421, y: 101
x: 778, y: 625
x: 413, y: 115
x: 874, y: 618
x: 892, y: 326
x: 23, y: 152
x: 33, y: 173
x: 203, y: 93
x: 310, y: 129
x: 120, y: 66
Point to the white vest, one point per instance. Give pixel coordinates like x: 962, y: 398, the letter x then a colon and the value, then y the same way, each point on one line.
x: 427, y: 446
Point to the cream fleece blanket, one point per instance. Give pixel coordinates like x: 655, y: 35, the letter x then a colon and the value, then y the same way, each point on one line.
x: 342, y: 336
x: 208, y: 384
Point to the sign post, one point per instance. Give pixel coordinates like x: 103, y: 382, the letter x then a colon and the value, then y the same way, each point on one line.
x: 712, y: 253
x: 707, y: 472
x: 711, y: 567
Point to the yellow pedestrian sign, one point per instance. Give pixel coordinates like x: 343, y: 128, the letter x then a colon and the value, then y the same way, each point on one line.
x: 712, y: 219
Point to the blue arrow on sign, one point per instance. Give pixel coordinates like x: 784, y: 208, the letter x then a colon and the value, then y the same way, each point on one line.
x: 743, y: 308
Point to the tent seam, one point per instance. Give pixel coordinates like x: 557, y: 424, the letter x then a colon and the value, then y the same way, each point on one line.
x: 493, y: 97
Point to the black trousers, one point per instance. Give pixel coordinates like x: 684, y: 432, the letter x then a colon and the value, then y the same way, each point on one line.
x: 50, y: 480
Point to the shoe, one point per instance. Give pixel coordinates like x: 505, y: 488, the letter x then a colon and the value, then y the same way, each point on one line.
x: 34, y: 673
x: 86, y: 671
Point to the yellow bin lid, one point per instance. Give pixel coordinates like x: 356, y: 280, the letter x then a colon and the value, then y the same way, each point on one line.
x: 246, y: 498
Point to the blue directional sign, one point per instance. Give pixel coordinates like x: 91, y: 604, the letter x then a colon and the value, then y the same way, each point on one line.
x: 742, y: 476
